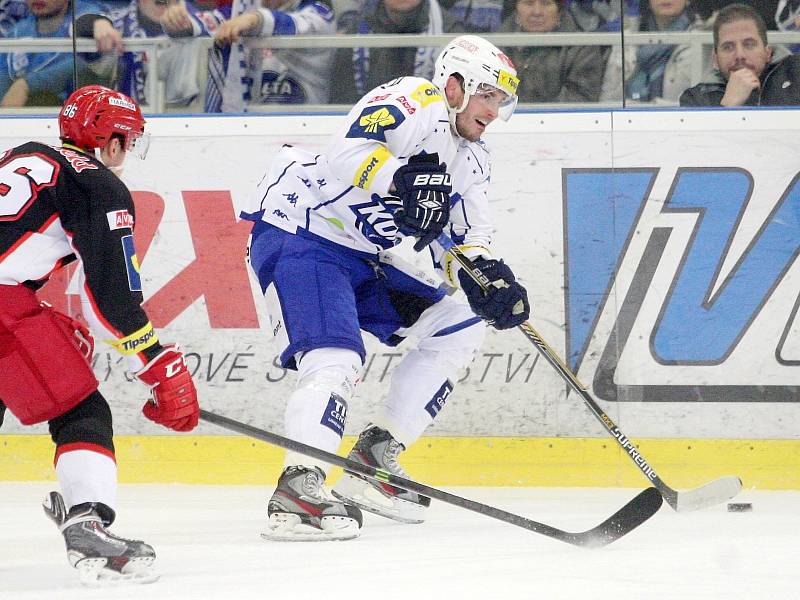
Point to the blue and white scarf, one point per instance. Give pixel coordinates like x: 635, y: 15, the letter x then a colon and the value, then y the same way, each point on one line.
x: 228, y: 85
x: 647, y: 81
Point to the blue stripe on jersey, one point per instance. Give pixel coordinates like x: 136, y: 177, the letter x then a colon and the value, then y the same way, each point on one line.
x: 321, y: 204
x: 457, y: 327
x: 480, y: 166
x: 284, y: 24
x: 464, y: 212
x: 274, y: 183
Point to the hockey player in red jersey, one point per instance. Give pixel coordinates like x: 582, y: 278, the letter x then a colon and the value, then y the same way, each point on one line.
x: 62, y: 204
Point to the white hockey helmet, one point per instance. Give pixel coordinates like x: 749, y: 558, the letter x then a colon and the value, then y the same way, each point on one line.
x: 481, y: 64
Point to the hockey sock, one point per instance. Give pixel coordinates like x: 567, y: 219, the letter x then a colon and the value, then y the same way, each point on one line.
x: 86, y: 473
x: 317, y: 410
x: 423, y: 380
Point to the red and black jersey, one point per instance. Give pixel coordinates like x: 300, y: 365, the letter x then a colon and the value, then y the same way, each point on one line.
x: 57, y: 205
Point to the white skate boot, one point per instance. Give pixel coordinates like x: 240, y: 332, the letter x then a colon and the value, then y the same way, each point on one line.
x: 301, y: 511
x: 377, y: 448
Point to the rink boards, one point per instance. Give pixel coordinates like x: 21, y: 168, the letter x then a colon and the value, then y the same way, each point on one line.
x: 659, y: 250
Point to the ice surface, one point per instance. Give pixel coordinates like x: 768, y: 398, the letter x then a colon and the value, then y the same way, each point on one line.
x: 208, y: 545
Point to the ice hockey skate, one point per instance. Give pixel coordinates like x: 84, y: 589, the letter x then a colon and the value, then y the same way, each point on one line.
x: 300, y: 510
x: 377, y: 448
x: 100, y: 557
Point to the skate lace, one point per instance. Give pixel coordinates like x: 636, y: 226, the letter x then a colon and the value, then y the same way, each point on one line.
x: 99, y: 529
x: 390, y: 454
x: 312, y: 485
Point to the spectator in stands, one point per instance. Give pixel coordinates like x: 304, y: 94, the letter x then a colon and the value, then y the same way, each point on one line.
x: 787, y: 18
x: 748, y: 72
x: 11, y: 11
x: 46, y: 78
x: 707, y: 9
x: 601, y: 15
x: 655, y: 72
x: 177, y: 65
x: 347, y: 12
x: 239, y: 77
x: 475, y: 16
x: 358, y: 70
x: 553, y: 73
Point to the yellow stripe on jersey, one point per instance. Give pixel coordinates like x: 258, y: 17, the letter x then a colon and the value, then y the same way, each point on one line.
x: 450, y: 267
x: 427, y: 93
x: 370, y: 166
x: 137, y: 341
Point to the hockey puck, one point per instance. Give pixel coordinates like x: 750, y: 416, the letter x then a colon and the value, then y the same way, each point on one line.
x: 740, y: 507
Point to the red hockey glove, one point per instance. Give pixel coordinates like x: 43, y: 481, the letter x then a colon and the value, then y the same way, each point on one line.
x: 174, y: 401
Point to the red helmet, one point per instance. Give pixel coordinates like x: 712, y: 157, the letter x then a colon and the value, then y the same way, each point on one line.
x: 93, y: 113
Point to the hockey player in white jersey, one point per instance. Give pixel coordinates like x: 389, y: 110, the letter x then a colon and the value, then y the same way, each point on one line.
x: 408, y: 160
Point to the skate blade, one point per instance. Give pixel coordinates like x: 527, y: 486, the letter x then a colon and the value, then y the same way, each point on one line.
x: 361, y: 493
x: 94, y: 572
x: 283, y: 527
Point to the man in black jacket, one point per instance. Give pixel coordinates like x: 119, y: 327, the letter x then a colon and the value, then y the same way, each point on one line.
x: 358, y: 70
x: 748, y: 71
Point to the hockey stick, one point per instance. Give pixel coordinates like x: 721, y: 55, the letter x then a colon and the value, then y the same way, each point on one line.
x: 630, y: 516
x: 706, y: 495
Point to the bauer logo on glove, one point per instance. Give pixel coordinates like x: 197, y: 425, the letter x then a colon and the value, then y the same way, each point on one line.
x: 424, y: 179
x: 423, y: 187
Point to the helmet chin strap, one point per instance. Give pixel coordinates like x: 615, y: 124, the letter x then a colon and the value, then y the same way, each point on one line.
x: 453, y: 112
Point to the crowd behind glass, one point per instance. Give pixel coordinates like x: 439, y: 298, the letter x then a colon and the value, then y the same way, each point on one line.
x: 224, y: 74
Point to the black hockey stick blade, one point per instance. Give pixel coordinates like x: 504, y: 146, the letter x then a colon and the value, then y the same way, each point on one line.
x: 628, y: 518
x: 709, y: 494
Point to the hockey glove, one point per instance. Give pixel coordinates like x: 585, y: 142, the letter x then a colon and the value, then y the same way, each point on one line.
x: 505, y: 304
x: 423, y: 186
x: 174, y: 401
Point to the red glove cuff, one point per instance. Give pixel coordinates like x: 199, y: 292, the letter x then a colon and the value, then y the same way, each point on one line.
x: 174, y: 402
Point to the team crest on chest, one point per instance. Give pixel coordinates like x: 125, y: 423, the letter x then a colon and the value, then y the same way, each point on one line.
x: 375, y: 121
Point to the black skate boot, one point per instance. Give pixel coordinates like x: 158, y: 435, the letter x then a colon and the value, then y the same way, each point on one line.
x: 100, y: 557
x: 301, y: 511
x: 377, y: 448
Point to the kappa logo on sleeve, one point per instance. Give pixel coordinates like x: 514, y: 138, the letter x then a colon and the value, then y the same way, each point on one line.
x: 375, y: 121
x: 119, y: 219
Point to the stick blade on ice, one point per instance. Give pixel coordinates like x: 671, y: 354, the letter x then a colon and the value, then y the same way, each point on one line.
x: 710, y: 494
x: 625, y: 520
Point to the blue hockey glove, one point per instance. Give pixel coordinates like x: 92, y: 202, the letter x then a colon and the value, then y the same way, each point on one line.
x: 505, y: 304
x: 423, y: 186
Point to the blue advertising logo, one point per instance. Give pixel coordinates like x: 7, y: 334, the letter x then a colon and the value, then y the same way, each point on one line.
x: 700, y: 322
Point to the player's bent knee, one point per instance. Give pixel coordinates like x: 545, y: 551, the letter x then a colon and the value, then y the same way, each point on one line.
x: 89, y: 423
x: 456, y: 345
x: 337, y: 370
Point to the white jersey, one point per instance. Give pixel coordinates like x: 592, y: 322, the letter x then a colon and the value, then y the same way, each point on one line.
x: 336, y: 195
